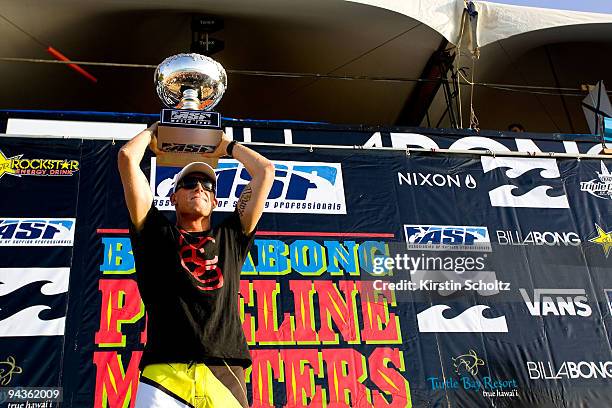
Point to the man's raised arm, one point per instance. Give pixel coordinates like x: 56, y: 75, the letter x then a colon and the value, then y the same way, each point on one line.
x: 253, y: 198
x: 138, y: 196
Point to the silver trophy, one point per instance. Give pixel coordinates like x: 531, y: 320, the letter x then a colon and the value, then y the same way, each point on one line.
x: 189, y: 85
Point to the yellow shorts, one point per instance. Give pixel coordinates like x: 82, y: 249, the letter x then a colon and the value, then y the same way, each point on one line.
x: 179, y: 385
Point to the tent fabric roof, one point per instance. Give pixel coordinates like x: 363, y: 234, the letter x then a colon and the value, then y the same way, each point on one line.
x: 495, y: 21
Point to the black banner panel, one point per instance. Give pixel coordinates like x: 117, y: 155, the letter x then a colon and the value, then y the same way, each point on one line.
x: 377, y: 278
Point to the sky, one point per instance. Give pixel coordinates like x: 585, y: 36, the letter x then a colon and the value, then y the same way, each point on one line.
x: 594, y: 6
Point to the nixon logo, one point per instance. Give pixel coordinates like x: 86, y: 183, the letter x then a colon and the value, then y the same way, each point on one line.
x: 436, y: 180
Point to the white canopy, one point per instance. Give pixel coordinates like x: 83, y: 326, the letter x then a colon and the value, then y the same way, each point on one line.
x: 495, y: 21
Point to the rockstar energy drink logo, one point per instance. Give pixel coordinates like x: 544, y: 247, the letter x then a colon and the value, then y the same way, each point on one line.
x: 17, y: 166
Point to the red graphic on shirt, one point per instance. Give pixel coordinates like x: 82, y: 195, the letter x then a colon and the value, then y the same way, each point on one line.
x: 205, y: 271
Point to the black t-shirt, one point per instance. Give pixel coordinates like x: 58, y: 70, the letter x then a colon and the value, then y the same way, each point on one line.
x: 189, y: 283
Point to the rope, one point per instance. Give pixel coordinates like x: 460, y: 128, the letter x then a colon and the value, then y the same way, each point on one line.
x: 531, y: 89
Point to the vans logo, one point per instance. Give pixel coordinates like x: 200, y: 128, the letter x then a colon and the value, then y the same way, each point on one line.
x: 557, y: 302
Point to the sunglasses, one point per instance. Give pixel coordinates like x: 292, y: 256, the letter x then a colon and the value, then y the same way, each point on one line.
x: 191, y: 182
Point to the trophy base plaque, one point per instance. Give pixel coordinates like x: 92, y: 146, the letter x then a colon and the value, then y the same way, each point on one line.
x: 606, y: 150
x: 184, y: 134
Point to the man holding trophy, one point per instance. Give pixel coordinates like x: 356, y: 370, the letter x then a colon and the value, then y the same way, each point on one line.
x: 189, y: 274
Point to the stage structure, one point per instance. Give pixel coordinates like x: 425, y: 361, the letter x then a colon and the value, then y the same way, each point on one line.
x: 441, y: 268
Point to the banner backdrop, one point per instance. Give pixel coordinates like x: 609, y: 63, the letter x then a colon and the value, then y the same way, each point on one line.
x: 376, y: 279
x: 106, y: 125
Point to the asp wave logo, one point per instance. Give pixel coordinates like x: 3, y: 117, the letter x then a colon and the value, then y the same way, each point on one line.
x: 299, y: 187
x: 471, y: 320
x: 33, y: 301
x: 37, y: 231
x: 17, y: 166
x: 523, y: 174
x: 447, y: 238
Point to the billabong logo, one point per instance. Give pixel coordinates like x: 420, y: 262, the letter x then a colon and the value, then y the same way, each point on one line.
x: 538, y: 370
x: 432, y: 320
x: 538, y: 197
x: 16, y: 166
x: 7, y: 369
x: 447, y: 238
x: 468, y: 362
x: 33, y: 301
x: 558, y: 302
x: 37, y: 231
x: 538, y: 238
x: 435, y: 180
x: 299, y: 187
x: 601, y: 188
x: 603, y: 238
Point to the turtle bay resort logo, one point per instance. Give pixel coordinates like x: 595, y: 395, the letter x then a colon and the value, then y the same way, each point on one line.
x: 468, y: 369
x: 299, y: 187
x: 8, y: 368
x: 600, y: 187
x: 18, y: 166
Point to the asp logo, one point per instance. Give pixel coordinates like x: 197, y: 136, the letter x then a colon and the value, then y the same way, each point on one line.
x: 557, y: 302
x: 37, y: 231
x: 447, y: 238
x: 299, y: 187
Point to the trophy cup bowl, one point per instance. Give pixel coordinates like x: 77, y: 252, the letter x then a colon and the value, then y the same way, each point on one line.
x: 189, y: 85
